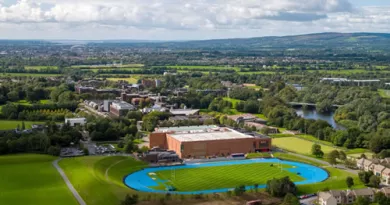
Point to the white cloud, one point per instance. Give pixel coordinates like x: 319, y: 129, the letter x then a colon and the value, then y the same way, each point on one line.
x: 184, y: 19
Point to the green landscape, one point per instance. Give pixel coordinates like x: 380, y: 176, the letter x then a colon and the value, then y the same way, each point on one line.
x: 32, y: 179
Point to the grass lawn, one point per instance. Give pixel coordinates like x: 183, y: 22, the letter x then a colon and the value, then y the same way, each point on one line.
x: 108, y: 66
x: 11, y: 124
x: 233, y: 101
x: 224, y: 176
x: 23, y: 102
x: 297, y: 145
x: 129, y: 80
x: 40, y: 67
x: 384, y: 93
x: 215, y: 68
x: 46, y: 102
x: 335, y: 181
x: 88, y: 176
x: 29, y: 74
x: 32, y: 179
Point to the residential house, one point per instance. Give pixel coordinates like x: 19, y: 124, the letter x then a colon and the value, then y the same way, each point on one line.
x: 378, y: 169
x: 386, y: 176
x: 338, y: 195
x: 360, y: 163
x: 325, y: 198
x: 259, y: 127
x: 386, y: 191
x: 366, y: 192
x: 367, y: 165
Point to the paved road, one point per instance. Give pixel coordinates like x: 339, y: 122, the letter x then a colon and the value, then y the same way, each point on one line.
x: 70, y: 186
x: 308, y: 201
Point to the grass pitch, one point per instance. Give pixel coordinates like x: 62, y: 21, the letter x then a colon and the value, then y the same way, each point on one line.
x: 217, y: 177
x: 99, y: 179
x: 297, y: 145
x: 32, y: 179
x: 11, y: 124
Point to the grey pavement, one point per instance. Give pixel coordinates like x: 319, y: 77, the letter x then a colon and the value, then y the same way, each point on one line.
x: 68, y: 183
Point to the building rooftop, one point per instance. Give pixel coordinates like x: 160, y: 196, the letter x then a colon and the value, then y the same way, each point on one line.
x: 184, y: 111
x: 123, y: 105
x: 222, y: 134
x: 187, y: 128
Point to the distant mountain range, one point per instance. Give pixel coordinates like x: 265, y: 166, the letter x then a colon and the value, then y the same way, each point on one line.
x: 380, y: 41
x: 319, y: 40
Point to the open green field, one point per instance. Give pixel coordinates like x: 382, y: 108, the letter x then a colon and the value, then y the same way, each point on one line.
x: 233, y: 101
x: 384, y: 93
x: 224, y: 176
x: 32, y: 179
x: 297, y: 145
x: 23, y: 102
x: 129, y: 80
x: 196, y: 67
x: 28, y: 75
x: 11, y: 124
x: 40, y: 67
x: 97, y: 69
x: 108, y: 66
x: 99, y: 179
x: 46, y: 102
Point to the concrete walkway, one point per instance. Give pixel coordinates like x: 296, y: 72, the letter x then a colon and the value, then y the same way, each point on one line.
x: 68, y: 183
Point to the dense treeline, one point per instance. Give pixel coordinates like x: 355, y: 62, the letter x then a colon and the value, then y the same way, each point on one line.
x: 48, y: 141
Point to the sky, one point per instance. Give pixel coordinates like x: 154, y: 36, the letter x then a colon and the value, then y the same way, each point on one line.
x: 187, y: 19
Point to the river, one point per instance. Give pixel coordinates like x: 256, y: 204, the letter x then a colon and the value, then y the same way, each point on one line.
x: 313, y: 114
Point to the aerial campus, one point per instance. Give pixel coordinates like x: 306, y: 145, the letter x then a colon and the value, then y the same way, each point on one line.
x: 285, y: 118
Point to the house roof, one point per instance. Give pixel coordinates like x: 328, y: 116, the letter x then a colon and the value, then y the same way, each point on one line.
x: 360, y: 161
x: 379, y: 168
x: 386, y: 191
x: 184, y: 112
x: 367, y: 162
x: 324, y: 195
x: 386, y: 172
x: 336, y: 193
x: 363, y: 192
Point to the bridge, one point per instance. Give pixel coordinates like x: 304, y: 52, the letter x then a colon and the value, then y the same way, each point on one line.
x: 307, y: 104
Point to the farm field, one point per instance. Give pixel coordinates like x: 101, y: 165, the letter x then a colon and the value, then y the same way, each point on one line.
x: 10, y: 124
x: 297, y: 145
x: 88, y: 176
x: 224, y: 176
x: 129, y: 80
x: 97, y: 69
x: 29, y: 74
x: 185, y: 67
x: 40, y: 67
x: 108, y: 66
x: 384, y: 93
x: 32, y: 179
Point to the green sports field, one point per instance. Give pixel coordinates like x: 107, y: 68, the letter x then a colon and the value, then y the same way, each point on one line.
x: 98, y: 180
x: 11, y: 124
x: 218, y: 177
x: 32, y: 179
x: 298, y: 145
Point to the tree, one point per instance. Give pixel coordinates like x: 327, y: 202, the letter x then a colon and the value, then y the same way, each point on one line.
x: 280, y: 187
x: 362, y: 201
x: 332, y: 157
x: 130, y: 200
x: 342, y: 155
x: 240, y: 190
x: 349, y: 182
x: 316, y: 150
x: 374, y: 181
x: 365, y: 176
x: 290, y: 199
x: 53, y: 150
x: 23, y: 126
x: 381, y: 199
x: 130, y: 147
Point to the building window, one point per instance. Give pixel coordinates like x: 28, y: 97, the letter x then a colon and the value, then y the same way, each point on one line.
x: 182, y: 148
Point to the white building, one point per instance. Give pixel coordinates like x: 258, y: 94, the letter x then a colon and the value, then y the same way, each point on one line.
x: 325, y: 198
x: 75, y: 121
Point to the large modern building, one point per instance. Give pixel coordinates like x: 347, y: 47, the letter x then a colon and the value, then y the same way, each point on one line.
x: 207, y: 141
x: 120, y: 108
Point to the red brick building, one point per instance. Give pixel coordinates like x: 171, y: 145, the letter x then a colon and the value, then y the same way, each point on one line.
x: 204, y: 141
